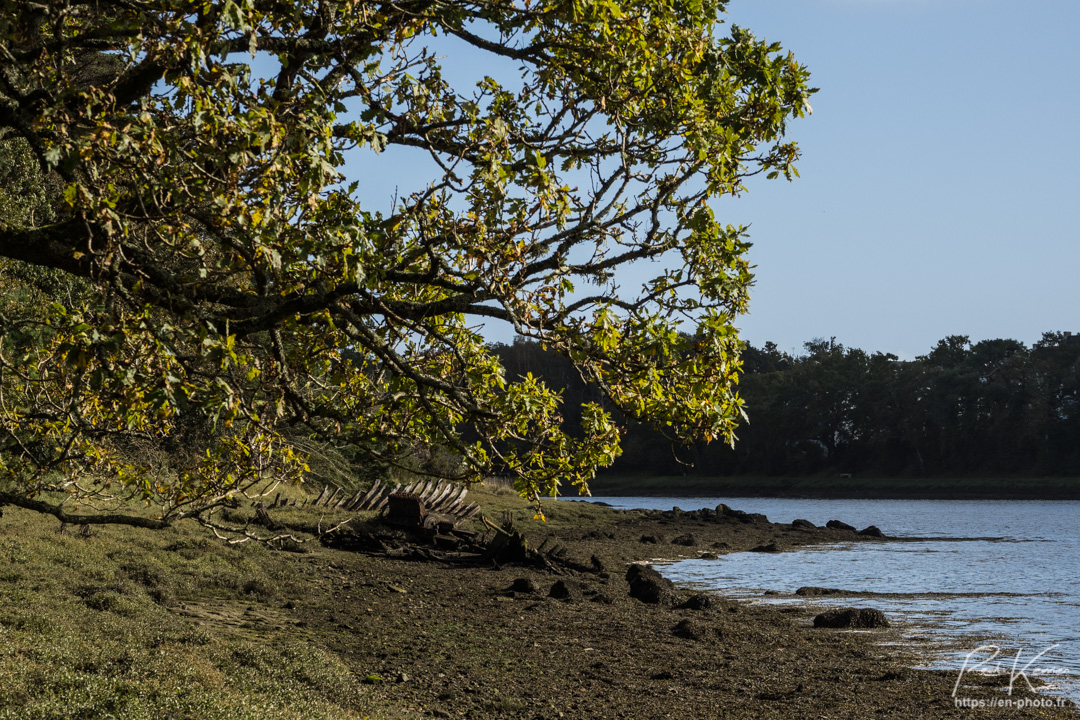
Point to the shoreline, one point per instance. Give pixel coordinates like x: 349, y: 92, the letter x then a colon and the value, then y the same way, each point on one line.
x: 401, y: 629
x: 838, y: 488
x: 599, y: 653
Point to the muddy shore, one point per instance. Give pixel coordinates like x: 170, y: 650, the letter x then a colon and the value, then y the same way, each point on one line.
x: 448, y: 638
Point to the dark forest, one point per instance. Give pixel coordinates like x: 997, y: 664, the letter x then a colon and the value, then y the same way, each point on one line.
x: 990, y: 408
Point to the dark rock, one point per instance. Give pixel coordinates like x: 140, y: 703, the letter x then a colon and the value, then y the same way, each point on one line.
x: 649, y: 586
x: 662, y: 675
x: 811, y: 591
x: 770, y: 548
x: 756, y: 518
x: 707, y: 556
x: 597, y: 564
x: 651, y: 539
x: 872, y: 531
x: 800, y: 523
x: 837, y: 525
x: 688, y: 629
x: 700, y: 601
x: 688, y: 540
x: 523, y: 585
x: 602, y: 599
x: 852, y: 618
x: 563, y: 590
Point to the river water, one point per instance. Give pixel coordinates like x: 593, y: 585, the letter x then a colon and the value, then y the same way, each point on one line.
x: 1004, y: 573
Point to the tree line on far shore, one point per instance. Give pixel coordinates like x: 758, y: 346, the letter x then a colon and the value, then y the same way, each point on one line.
x: 990, y: 408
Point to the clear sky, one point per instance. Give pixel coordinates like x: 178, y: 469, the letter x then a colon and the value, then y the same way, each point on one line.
x: 939, y: 176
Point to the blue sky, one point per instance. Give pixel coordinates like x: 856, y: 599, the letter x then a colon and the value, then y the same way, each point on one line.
x: 938, y: 187
x: 939, y: 175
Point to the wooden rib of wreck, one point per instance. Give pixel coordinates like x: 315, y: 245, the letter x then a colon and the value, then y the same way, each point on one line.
x: 415, y: 503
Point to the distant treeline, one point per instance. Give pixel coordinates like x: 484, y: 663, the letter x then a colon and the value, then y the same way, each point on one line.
x: 990, y: 408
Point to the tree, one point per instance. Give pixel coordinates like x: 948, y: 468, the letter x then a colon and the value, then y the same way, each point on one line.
x: 237, y: 284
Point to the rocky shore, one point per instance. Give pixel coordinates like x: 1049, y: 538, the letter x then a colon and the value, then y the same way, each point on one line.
x: 603, y: 636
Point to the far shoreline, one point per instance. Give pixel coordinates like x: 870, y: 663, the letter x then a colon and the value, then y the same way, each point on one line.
x: 838, y: 488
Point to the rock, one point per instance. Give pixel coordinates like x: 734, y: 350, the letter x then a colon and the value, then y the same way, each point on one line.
x: 707, y: 556
x: 800, y: 523
x: 852, y: 618
x: 688, y: 540
x: 700, y: 601
x: 402, y: 677
x: 756, y: 518
x: 649, y: 586
x: 811, y: 591
x: 597, y: 564
x: 837, y: 525
x: 651, y: 539
x: 770, y: 548
x: 872, y: 531
x: 602, y: 599
x: 563, y: 590
x: 688, y: 629
x: 523, y: 585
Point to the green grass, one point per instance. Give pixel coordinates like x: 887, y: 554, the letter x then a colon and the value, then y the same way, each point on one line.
x: 89, y: 629
x: 498, y: 500
x: 839, y: 487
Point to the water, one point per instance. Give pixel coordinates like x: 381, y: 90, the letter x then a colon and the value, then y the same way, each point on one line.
x: 1003, y: 572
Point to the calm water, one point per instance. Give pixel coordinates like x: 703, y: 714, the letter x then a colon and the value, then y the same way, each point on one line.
x: 1013, y: 568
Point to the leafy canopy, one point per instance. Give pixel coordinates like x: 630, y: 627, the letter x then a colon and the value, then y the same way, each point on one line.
x: 196, y: 270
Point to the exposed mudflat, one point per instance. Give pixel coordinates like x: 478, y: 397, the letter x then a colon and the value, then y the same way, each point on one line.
x: 446, y: 637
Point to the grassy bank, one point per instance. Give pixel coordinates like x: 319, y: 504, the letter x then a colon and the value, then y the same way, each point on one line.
x: 840, y: 487
x: 130, y: 623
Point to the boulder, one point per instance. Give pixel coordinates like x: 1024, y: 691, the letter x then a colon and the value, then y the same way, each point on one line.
x: 649, y: 586
x: 700, y: 601
x: 811, y: 591
x: 687, y: 540
x: 523, y: 585
x: 851, y: 618
x: 769, y: 548
x: 800, y: 523
x: 563, y: 590
x: 651, y: 539
x: 872, y: 531
x: 837, y: 525
x: 689, y: 629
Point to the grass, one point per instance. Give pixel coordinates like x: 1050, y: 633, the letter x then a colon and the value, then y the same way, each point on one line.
x: 89, y: 628
x: 839, y: 487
